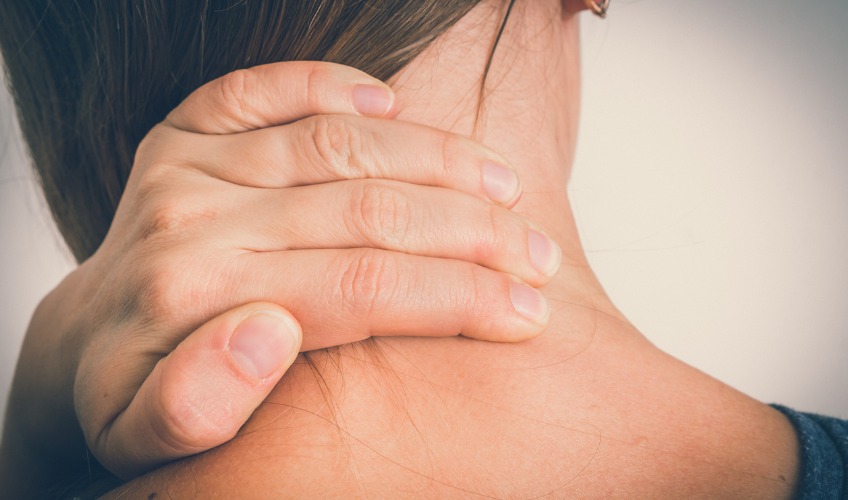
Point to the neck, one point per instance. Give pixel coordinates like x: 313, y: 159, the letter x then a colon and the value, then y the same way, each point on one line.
x: 527, y: 113
x: 577, y: 411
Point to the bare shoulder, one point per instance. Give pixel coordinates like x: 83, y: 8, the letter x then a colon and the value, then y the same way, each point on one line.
x: 605, y: 413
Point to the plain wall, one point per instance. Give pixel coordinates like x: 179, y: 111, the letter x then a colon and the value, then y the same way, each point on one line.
x: 710, y: 188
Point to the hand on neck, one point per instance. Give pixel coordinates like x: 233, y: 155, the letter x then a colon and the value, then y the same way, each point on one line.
x: 528, y: 113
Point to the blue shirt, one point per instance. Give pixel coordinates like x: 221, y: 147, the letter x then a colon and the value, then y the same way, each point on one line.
x: 823, y: 441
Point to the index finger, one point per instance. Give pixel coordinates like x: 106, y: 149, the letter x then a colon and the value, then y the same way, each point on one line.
x: 280, y: 93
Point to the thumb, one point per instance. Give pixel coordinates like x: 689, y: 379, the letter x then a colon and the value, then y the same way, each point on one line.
x: 199, y: 395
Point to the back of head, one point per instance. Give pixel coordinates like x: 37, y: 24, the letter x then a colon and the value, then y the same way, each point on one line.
x: 91, y: 78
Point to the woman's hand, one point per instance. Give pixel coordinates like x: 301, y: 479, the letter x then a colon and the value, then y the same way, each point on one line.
x: 274, y: 199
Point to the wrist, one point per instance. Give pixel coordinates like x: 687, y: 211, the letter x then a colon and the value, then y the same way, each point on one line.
x: 40, y: 424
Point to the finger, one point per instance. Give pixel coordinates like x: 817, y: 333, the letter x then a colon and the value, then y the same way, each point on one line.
x: 329, y: 148
x: 392, y: 215
x: 364, y: 292
x: 273, y: 94
x: 201, y: 393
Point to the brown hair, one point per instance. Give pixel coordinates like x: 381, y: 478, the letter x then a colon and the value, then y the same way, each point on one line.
x: 90, y: 79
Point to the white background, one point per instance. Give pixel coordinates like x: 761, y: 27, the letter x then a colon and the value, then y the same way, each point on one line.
x: 711, y: 189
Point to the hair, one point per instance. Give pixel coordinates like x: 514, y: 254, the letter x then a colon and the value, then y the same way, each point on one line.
x: 90, y: 79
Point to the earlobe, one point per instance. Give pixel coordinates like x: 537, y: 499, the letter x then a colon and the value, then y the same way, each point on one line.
x: 597, y: 7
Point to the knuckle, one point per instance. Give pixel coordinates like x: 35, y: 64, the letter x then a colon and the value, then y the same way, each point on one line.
x: 163, y: 217
x: 337, y: 146
x: 451, y: 150
x: 153, y: 181
x: 382, y: 214
x: 166, y: 212
x: 165, y: 148
x: 369, y: 282
x: 235, y: 90
x: 150, y: 144
x: 171, y: 289
x: 166, y: 290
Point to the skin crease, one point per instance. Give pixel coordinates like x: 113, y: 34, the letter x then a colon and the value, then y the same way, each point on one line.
x: 589, y: 408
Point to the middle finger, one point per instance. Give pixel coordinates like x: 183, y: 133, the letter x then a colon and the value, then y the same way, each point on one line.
x: 398, y: 216
x: 328, y: 148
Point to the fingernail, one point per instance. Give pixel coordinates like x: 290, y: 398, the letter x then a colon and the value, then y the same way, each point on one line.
x: 372, y: 100
x: 529, y: 303
x: 500, y: 183
x: 545, y: 255
x: 262, y: 342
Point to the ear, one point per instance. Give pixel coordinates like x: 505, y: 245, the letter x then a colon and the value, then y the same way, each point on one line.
x: 571, y: 7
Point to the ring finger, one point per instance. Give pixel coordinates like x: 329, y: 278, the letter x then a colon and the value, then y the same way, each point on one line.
x: 390, y: 215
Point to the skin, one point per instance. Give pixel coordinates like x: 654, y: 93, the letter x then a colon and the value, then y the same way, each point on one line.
x: 246, y: 211
x: 589, y: 408
x: 140, y: 348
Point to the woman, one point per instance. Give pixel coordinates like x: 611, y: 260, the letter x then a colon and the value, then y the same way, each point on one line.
x: 584, y: 406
